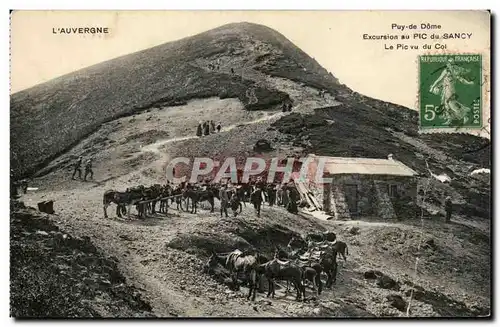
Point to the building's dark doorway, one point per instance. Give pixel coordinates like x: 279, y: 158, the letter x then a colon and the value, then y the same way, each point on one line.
x: 351, y: 197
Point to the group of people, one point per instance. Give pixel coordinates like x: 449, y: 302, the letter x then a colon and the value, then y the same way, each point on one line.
x: 77, y: 168
x: 283, y: 195
x: 216, y: 66
x: 207, y: 127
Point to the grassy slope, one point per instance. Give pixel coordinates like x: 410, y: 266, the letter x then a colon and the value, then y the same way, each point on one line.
x: 77, y: 103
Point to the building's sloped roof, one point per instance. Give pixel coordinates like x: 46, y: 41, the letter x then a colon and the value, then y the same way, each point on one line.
x: 366, y: 166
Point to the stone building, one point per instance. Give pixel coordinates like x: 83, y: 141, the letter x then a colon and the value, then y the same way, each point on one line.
x: 384, y: 188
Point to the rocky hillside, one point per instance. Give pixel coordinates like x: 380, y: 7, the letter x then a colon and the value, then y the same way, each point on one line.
x: 55, y: 275
x: 172, y: 73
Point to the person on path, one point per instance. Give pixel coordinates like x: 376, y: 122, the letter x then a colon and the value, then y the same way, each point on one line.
x: 212, y: 127
x: 272, y: 194
x: 77, y: 167
x: 284, y: 196
x: 292, y: 204
x: 256, y: 199
x: 219, y: 127
x: 88, y: 170
x: 448, y: 206
x: 224, y: 200
x: 206, y: 130
x: 199, y: 131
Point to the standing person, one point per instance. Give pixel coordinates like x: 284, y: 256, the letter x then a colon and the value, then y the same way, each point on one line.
x: 212, y: 126
x: 292, y: 204
x: 224, y: 200
x: 206, y: 130
x: 199, y: 131
x: 218, y: 127
x: 256, y: 199
x: 448, y: 206
x: 77, y: 167
x: 272, y: 194
x: 88, y: 170
x: 284, y: 196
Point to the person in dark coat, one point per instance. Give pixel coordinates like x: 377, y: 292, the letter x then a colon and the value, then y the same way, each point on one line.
x: 199, y: 131
x: 256, y: 200
x: 224, y: 200
x: 292, y: 203
x: 448, y: 206
x: 212, y: 126
x: 88, y: 170
x: 206, y: 129
x: 77, y: 167
x: 284, y: 196
x: 219, y: 127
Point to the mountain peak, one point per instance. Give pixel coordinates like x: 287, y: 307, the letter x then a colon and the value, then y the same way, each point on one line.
x: 170, y: 73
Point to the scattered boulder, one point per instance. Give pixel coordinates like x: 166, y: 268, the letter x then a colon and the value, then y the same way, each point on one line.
x: 262, y: 145
x: 353, y: 230
x: 397, y: 301
x: 387, y: 282
x: 46, y: 206
x: 330, y: 236
x: 372, y: 274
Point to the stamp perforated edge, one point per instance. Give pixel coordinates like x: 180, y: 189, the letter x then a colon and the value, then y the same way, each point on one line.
x: 485, y: 94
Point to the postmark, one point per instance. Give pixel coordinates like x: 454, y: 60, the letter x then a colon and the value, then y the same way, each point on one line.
x: 451, y: 92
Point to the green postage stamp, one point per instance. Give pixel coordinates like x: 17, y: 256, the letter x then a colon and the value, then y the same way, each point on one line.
x: 450, y: 91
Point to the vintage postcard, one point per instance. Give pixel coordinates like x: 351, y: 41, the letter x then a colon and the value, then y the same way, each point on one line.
x: 315, y: 164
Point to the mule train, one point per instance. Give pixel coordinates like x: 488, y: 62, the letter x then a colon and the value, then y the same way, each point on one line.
x: 304, y: 260
x: 185, y: 196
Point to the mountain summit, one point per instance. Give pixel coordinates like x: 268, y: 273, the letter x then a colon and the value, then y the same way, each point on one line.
x: 51, y: 117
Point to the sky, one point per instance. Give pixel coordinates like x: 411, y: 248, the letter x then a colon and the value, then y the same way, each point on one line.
x: 333, y: 38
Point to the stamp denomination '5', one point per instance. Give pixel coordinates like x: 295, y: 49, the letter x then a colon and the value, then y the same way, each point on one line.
x: 450, y: 91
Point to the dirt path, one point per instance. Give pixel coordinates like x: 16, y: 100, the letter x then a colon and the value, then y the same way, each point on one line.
x: 155, y: 147
x: 173, y: 280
